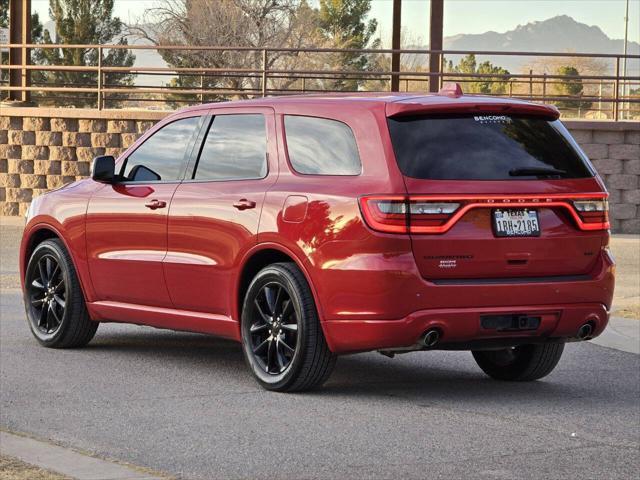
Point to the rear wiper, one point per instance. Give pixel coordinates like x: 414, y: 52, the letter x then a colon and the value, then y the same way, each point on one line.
x: 537, y: 172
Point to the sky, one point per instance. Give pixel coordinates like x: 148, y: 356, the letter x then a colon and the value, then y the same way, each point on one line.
x: 461, y: 16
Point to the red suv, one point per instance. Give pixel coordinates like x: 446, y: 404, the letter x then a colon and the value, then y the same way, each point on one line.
x: 312, y: 226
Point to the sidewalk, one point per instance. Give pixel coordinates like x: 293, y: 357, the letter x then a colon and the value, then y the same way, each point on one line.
x: 67, y: 462
x: 621, y: 334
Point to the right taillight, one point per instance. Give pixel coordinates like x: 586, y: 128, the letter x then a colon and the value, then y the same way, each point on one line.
x: 593, y: 211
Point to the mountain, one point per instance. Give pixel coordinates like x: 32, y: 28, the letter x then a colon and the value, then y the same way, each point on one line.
x: 556, y: 34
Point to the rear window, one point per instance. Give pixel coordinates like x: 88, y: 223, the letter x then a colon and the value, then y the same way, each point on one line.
x: 319, y: 146
x: 484, y: 147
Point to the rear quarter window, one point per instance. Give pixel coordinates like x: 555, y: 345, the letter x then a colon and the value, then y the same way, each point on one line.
x: 484, y: 147
x: 320, y: 146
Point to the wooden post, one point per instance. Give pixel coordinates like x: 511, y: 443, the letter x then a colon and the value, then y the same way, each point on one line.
x: 19, y: 33
x: 435, y: 42
x: 616, y: 93
x: 395, y: 45
x: 264, y: 72
x: 100, y: 99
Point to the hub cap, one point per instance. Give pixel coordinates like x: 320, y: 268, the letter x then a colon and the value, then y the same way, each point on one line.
x: 47, y: 295
x: 274, y: 331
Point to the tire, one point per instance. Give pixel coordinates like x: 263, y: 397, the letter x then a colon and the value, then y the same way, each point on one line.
x: 54, y: 303
x: 523, y: 363
x: 282, y: 339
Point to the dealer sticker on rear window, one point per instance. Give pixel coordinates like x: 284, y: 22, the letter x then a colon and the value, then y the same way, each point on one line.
x: 492, y: 119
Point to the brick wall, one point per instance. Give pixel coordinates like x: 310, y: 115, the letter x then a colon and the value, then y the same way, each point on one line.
x: 42, y: 149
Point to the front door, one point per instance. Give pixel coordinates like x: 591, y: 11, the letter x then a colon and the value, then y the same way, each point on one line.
x: 214, y: 216
x: 126, y: 225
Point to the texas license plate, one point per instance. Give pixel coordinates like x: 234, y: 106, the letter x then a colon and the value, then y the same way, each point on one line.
x: 516, y: 223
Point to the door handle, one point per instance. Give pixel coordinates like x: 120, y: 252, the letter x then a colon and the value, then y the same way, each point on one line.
x: 244, y: 204
x: 155, y: 204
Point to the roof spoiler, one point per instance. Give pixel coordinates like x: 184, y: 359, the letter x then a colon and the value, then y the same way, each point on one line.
x: 451, y: 100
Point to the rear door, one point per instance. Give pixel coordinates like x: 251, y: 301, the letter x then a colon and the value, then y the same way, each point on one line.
x: 215, y: 213
x: 495, y: 196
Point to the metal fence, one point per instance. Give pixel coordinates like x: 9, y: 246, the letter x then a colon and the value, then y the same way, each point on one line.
x: 282, y: 71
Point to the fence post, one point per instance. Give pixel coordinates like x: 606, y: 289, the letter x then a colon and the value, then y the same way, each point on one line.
x: 264, y: 72
x: 544, y: 87
x: 202, y: 87
x: 100, y: 99
x: 531, y: 84
x: 616, y: 93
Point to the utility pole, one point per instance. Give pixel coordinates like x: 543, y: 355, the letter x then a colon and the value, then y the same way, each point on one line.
x: 435, y: 43
x: 624, y: 65
x: 395, y: 45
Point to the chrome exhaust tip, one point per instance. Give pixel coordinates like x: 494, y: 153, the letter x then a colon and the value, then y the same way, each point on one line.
x: 430, y: 338
x: 584, y: 332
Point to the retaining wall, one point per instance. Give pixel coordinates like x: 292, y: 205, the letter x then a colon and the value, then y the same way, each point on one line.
x: 42, y: 148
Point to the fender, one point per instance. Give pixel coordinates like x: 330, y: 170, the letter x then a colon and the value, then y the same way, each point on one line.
x: 48, y: 223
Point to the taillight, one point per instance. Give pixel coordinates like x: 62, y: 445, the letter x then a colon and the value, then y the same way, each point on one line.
x: 437, y: 214
x: 398, y: 214
x: 385, y: 214
x: 592, y: 211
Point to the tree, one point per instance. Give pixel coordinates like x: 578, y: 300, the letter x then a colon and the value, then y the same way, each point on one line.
x: 489, y: 83
x: 88, y: 22
x: 570, y: 87
x: 344, y: 24
x: 251, y: 24
x: 36, y: 37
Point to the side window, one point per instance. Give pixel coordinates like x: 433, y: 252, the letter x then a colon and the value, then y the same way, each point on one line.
x: 162, y: 156
x: 319, y: 146
x: 235, y: 149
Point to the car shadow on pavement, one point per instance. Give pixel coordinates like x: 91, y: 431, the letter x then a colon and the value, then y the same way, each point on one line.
x: 451, y: 376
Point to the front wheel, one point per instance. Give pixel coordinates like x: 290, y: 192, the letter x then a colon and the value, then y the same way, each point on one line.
x: 522, y: 363
x: 282, y: 338
x: 53, y: 299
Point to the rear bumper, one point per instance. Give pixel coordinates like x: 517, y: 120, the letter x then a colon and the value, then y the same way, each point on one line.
x: 462, y: 325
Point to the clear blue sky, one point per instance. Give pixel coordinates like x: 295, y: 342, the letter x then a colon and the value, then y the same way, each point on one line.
x: 463, y: 16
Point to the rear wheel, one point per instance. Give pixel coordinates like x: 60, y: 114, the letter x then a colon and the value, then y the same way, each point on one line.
x: 522, y: 363
x: 282, y: 338
x: 53, y: 299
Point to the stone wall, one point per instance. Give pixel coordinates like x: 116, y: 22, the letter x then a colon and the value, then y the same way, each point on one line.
x: 42, y: 149
x: 614, y: 149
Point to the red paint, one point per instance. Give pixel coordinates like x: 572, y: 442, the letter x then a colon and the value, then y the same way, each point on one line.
x: 180, y: 265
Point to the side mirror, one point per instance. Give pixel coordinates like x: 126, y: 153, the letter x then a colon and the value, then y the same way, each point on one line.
x: 103, y: 169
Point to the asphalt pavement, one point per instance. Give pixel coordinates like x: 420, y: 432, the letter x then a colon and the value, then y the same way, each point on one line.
x: 185, y: 404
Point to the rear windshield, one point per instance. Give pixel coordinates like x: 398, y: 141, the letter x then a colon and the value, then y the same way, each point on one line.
x: 484, y: 147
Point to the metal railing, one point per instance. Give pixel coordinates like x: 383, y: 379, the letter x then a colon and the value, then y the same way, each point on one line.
x: 282, y: 71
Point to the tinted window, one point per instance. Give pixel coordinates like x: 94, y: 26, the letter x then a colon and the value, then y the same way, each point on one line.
x: 162, y: 156
x: 321, y: 147
x: 235, y: 148
x: 484, y: 147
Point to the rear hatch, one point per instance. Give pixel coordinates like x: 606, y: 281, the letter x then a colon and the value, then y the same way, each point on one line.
x: 493, y: 196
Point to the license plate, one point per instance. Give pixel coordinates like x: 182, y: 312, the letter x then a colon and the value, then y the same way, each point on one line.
x: 516, y: 223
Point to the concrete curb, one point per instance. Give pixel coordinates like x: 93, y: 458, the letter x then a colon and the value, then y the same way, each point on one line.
x: 66, y: 462
x: 621, y: 334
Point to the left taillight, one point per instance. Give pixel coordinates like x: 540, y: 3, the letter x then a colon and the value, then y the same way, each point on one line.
x: 401, y: 214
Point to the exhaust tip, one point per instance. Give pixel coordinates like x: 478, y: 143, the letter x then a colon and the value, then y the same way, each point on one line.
x: 585, y: 331
x: 430, y: 338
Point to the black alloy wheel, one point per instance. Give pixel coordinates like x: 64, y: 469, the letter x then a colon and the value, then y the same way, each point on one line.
x: 47, y: 294
x: 274, y: 334
x: 54, y: 302
x: 282, y: 338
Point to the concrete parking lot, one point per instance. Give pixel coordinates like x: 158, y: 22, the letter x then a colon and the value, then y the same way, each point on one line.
x: 186, y: 405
